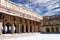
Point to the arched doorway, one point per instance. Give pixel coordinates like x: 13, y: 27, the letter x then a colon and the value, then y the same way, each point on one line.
x: 8, y: 25
x: 52, y: 30
x: 56, y: 29
x: 22, y: 28
x: 6, y: 28
x: 47, y: 30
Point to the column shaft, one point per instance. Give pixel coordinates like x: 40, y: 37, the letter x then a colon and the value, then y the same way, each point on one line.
x: 54, y: 29
x: 12, y: 29
x: 0, y: 28
x: 1, y: 16
x: 24, y: 25
x: 32, y: 26
x: 59, y: 29
x: 35, y: 24
x: 24, y: 28
x: 3, y: 29
x: 28, y: 24
x: 50, y: 29
x: 18, y: 28
x: 28, y: 28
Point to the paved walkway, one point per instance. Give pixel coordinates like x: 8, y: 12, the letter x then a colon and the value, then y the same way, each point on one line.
x: 30, y: 36
x: 9, y: 36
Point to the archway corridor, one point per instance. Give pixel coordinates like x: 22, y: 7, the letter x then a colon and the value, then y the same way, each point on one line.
x: 13, y: 24
x: 54, y: 29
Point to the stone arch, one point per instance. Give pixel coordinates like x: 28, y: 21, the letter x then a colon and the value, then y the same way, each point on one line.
x: 8, y: 22
x: 8, y: 19
x: 6, y: 25
x: 47, y: 30
x: 52, y: 29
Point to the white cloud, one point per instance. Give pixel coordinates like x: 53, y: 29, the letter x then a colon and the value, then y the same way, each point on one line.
x: 49, y: 4
x: 49, y: 14
x: 20, y: 4
x: 56, y: 10
x: 37, y: 10
x: 39, y: 1
x: 52, y: 12
x: 53, y: 5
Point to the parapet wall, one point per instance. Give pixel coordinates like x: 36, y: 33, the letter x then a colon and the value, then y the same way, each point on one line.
x: 14, y: 9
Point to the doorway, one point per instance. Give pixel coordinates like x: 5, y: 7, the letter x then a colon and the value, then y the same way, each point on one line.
x: 47, y: 30
x: 26, y: 28
x: 52, y: 30
x: 57, y: 29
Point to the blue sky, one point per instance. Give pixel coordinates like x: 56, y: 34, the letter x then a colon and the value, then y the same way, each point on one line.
x: 42, y: 7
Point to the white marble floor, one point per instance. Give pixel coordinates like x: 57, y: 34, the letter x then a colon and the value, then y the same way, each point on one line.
x: 30, y: 36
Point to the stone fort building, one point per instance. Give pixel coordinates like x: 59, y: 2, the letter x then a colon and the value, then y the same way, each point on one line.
x: 16, y: 19
x: 50, y: 24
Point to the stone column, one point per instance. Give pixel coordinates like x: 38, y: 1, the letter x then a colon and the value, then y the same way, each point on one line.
x: 24, y: 28
x: 28, y: 28
x: 28, y: 24
x: 32, y: 26
x: 54, y: 29
x: 3, y: 29
x: 38, y: 27
x: 50, y: 29
x: 1, y: 23
x: 59, y: 29
x: 18, y: 28
x: 24, y: 24
x: 0, y: 28
x: 44, y: 29
x: 35, y: 26
x: 12, y: 29
x: 21, y: 28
